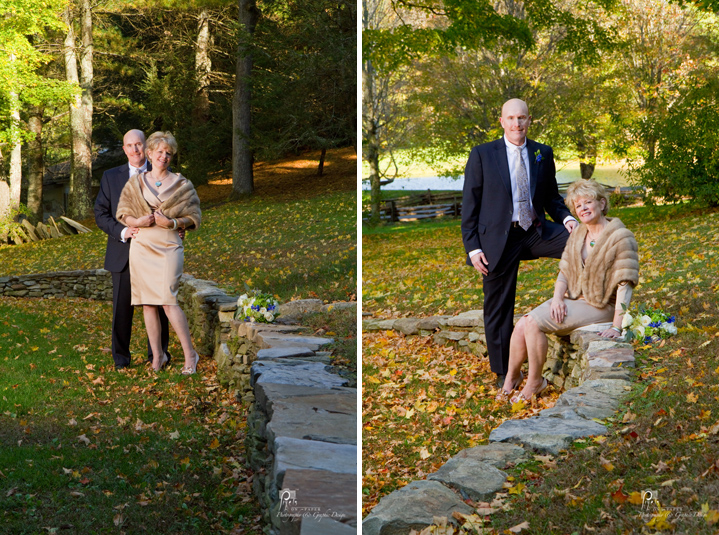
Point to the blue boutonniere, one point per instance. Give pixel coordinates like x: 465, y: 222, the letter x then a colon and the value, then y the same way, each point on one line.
x: 537, y: 156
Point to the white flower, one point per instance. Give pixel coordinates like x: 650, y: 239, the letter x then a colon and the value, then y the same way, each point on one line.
x: 269, y: 316
x: 640, y: 330
x: 263, y: 310
x: 646, y: 320
x: 671, y: 328
x: 627, y: 321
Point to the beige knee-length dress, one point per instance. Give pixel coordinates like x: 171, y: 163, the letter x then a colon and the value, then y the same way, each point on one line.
x: 156, y: 254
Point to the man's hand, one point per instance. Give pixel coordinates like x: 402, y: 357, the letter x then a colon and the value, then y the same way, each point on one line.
x: 570, y: 225
x: 479, y: 261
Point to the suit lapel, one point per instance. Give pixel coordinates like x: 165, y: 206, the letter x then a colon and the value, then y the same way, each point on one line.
x: 500, y: 152
x: 533, y: 167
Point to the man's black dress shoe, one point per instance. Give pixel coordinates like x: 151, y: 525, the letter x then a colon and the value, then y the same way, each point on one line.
x: 500, y: 380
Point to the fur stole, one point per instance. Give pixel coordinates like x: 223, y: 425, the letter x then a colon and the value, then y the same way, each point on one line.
x: 613, y: 259
x: 184, y: 202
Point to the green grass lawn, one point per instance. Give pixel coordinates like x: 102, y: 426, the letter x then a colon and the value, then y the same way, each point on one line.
x: 299, y: 249
x: 665, y: 437
x: 86, y: 449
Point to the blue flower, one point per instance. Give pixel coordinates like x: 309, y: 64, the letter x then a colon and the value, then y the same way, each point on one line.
x: 647, y: 340
x: 671, y: 319
x: 656, y: 324
x: 537, y: 156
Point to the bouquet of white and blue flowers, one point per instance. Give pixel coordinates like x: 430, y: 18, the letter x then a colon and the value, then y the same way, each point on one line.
x: 648, y: 325
x: 255, y: 306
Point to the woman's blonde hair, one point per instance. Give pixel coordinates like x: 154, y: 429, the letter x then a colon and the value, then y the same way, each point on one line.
x: 586, y: 189
x: 162, y: 137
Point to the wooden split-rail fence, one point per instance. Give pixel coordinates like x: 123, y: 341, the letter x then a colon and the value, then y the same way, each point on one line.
x: 433, y: 205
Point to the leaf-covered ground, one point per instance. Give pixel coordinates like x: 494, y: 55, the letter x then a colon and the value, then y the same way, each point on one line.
x: 295, y: 238
x: 664, y: 439
x: 86, y: 449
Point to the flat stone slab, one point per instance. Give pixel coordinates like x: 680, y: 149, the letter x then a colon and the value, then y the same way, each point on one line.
x: 407, y: 326
x: 324, y: 418
x: 250, y: 329
x: 623, y: 374
x: 433, y: 322
x: 522, y: 431
x: 473, y: 479
x: 471, y: 318
x: 295, y: 373
x: 294, y: 453
x: 284, y: 352
x: 300, y: 306
x: 269, y: 339
x: 325, y: 526
x: 569, y: 412
x: 268, y: 393
x: 615, y: 388
x: 498, y: 454
x: 611, y: 358
x: 414, y: 506
x: 340, y: 305
x: 454, y: 336
x: 323, y: 500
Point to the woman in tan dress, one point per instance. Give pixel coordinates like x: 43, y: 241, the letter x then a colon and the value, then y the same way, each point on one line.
x: 159, y: 203
x: 598, y: 269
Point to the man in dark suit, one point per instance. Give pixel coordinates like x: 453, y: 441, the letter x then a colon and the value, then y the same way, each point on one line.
x: 117, y: 253
x: 509, y: 187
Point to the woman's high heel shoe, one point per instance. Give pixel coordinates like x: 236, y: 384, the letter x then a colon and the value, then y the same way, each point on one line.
x: 503, y: 396
x: 520, y: 397
x: 190, y: 370
x: 166, y: 360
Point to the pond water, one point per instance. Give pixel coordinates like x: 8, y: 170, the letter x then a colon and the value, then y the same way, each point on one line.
x: 606, y: 174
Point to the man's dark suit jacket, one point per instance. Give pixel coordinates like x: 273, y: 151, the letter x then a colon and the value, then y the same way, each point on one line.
x: 487, y: 198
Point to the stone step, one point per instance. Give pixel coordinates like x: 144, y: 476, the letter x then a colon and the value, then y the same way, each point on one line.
x: 414, y: 506
x: 294, y: 453
x: 267, y: 340
x: 295, y: 373
x: 324, y: 418
x: 546, y: 435
x: 325, y: 502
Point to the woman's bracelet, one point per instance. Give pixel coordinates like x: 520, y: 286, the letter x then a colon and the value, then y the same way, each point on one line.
x: 616, y: 329
x: 174, y: 224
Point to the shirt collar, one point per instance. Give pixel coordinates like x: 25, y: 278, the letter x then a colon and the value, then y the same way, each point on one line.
x: 140, y: 169
x: 512, y: 145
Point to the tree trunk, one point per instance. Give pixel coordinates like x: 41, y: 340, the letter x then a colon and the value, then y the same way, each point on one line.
x: 203, y: 67
x: 242, y: 179
x: 15, y: 154
x: 16, y: 148
x: 35, y: 167
x: 321, y: 168
x: 370, y: 145
x: 80, y: 112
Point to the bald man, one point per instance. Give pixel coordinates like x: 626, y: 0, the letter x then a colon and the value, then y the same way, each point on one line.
x: 117, y: 253
x: 509, y: 188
